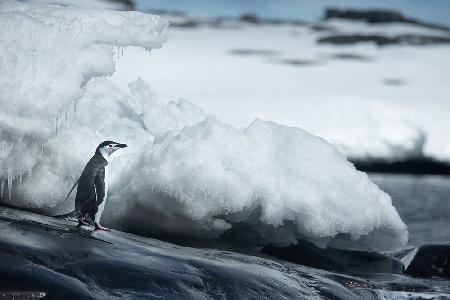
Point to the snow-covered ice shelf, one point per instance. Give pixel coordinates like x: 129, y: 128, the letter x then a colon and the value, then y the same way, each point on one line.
x: 372, y: 102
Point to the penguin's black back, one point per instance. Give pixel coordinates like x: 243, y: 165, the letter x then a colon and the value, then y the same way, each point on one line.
x: 86, y: 198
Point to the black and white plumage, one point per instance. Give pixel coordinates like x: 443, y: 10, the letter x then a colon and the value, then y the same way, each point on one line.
x: 93, y: 186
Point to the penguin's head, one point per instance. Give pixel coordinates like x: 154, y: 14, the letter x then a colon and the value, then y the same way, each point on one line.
x: 108, y: 147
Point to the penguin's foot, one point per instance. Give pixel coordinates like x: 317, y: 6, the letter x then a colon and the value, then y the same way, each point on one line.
x: 100, y: 227
x: 81, y: 222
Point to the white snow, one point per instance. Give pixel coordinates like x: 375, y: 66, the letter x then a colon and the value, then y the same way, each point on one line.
x: 343, y: 100
x: 185, y: 172
x: 280, y: 183
x: 48, y: 53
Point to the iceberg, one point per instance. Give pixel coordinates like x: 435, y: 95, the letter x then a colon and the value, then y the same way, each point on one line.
x: 186, y: 174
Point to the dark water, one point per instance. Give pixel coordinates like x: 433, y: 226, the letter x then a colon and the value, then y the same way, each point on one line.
x: 423, y: 204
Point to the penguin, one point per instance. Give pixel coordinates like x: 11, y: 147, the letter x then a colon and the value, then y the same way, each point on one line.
x: 92, y: 187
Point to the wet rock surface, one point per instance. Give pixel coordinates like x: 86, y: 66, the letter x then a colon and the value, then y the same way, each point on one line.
x: 45, y: 258
x: 336, y: 260
x: 429, y: 261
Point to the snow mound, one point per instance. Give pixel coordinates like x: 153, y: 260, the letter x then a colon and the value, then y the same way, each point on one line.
x: 185, y: 173
x: 273, y: 183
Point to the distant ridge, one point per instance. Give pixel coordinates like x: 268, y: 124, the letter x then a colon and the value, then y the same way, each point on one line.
x: 379, y: 16
x: 416, y: 166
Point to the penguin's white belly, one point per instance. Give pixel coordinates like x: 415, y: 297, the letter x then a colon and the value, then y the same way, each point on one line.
x: 100, y: 210
x: 101, y: 207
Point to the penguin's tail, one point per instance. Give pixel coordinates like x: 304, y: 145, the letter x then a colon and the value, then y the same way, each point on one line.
x: 73, y: 215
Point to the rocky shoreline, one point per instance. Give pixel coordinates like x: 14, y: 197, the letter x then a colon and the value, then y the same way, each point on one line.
x: 45, y: 258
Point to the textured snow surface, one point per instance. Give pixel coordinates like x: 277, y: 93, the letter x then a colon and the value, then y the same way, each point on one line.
x: 185, y: 173
x: 274, y: 182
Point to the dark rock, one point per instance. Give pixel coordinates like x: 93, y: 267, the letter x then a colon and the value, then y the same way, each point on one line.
x: 8, y: 294
x: 299, y: 62
x: 250, y: 18
x: 254, y: 19
x: 379, y: 16
x: 336, y: 260
x: 188, y: 23
x: 371, y: 16
x: 418, y: 166
x: 321, y: 27
x: 394, y: 81
x: 343, y: 39
x: 396, y: 282
x: 412, y: 39
x: 167, y: 12
x: 247, y: 52
x: 194, y: 23
x: 430, y: 260
x: 351, y: 56
x: 43, y: 255
x: 127, y: 4
x: 382, y: 40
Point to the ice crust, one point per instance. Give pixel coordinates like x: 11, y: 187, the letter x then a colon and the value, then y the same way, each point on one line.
x: 185, y: 173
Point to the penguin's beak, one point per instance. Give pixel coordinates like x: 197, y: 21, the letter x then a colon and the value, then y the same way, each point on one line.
x: 121, y: 145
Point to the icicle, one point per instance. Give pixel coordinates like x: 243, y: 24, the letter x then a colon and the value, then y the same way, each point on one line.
x: 65, y: 121
x: 19, y: 186
x: 118, y: 53
x: 2, y: 188
x: 30, y: 174
x: 42, y: 149
x: 122, y: 51
x: 10, y: 182
x: 75, y: 109
x: 56, y: 125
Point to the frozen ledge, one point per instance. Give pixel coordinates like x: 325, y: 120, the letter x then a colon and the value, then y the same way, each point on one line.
x: 47, y: 55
